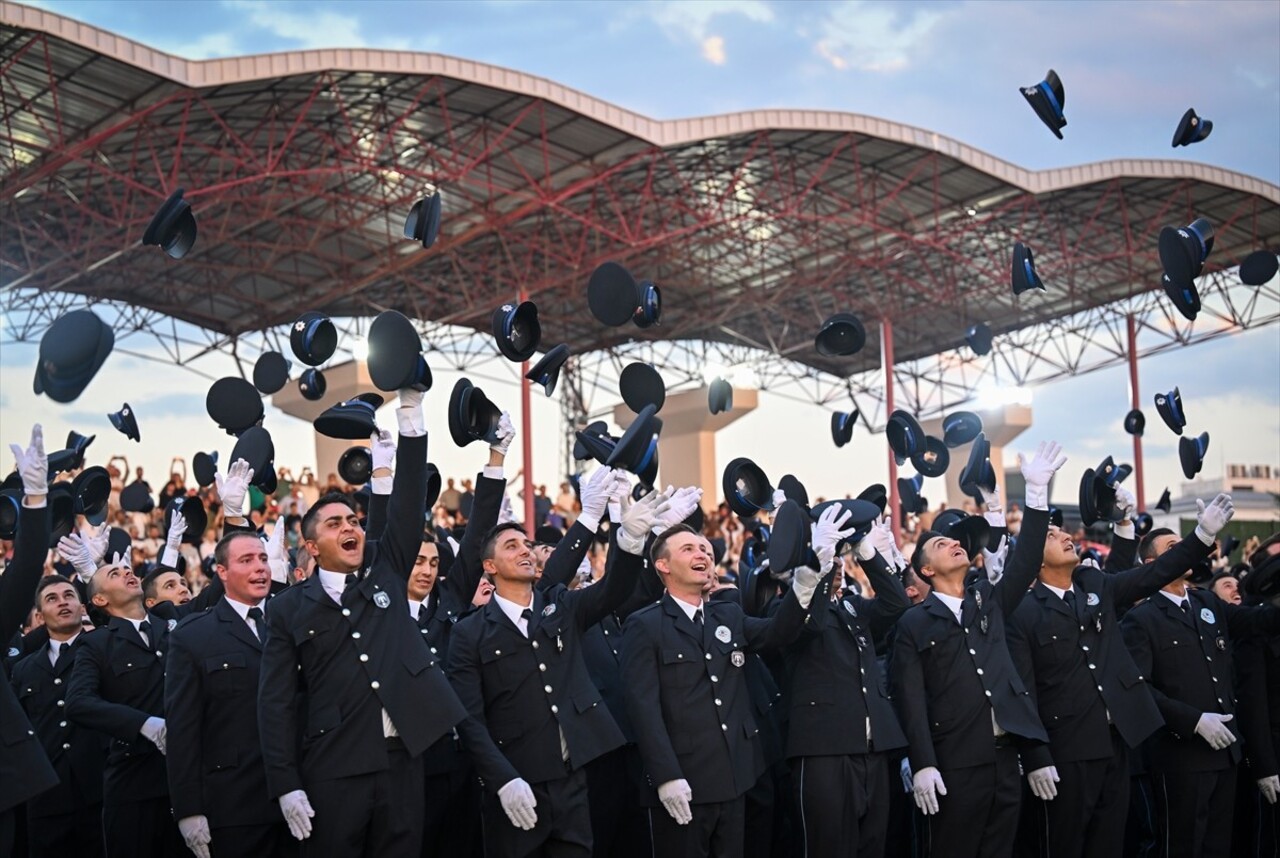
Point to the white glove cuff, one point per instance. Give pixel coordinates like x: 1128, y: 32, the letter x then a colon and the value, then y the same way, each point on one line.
x: 411, y: 422
x: 864, y: 550
x: 1205, y: 536
x: 1124, y: 529
x: 589, y: 521
x: 493, y: 472
x: 994, y: 517
x: 170, y: 556
x: 804, y: 584
x: 628, y: 543
x: 1038, y: 497
x: 381, y: 485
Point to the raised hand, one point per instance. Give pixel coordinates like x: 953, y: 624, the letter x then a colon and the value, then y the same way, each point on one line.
x: 33, y: 464
x: 233, y: 487
x: 1039, y: 471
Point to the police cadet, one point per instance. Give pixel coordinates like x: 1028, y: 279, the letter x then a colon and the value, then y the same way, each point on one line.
x: 1066, y: 642
x: 350, y: 696
x: 217, y: 779
x: 684, y: 681
x: 117, y: 688
x: 1181, y: 640
x: 961, y: 702
x: 841, y: 721
x: 64, y: 820
x: 517, y: 665
x: 451, y: 821
x: 24, y: 769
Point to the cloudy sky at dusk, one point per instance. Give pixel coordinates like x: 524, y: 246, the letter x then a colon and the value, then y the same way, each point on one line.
x: 1130, y: 68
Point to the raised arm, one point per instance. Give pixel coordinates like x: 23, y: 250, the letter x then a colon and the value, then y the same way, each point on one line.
x: 1138, y: 583
x: 31, y: 542
x: 1028, y: 554
x: 406, y: 508
x: 596, y: 491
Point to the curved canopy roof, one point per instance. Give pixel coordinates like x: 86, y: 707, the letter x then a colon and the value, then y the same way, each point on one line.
x: 301, y: 167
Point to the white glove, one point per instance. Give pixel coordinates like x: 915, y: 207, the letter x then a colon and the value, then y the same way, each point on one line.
x: 638, y: 520
x: 506, y: 434
x: 993, y: 561
x: 596, y: 490
x: 1039, y: 471
x: 927, y: 785
x: 681, y: 504
x: 506, y: 514
x: 382, y: 448
x: 1089, y: 561
x: 1269, y: 787
x: 864, y: 550
x: 675, y: 797
x: 233, y: 487
x: 829, y: 531
x: 1212, y: 727
x: 297, y: 812
x: 33, y: 464
x: 1044, y: 783
x: 154, y: 731
x: 195, y: 831
x: 804, y: 582
x: 1126, y: 503
x: 98, y: 539
x: 173, y: 540
x: 1212, y: 517
x: 75, y: 549
x: 991, y: 499
x: 277, y: 554
x: 518, y: 801
x: 779, y: 498
x: 880, y: 537
x: 409, y: 413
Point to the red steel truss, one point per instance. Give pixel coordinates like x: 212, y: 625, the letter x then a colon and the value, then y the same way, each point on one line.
x: 301, y: 167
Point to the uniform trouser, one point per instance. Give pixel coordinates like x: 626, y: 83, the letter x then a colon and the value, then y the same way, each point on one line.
x: 379, y: 813
x: 978, y: 817
x: 1140, y: 828
x: 1087, y: 817
x: 1194, y: 812
x: 716, y: 831
x: 451, y: 823
x: 141, y: 829
x: 843, y: 804
x: 564, y: 822
x: 66, y: 834
x: 619, y: 825
x: 251, y: 841
x: 1255, y: 821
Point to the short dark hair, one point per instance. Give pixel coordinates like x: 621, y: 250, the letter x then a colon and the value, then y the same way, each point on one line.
x: 51, y: 581
x: 1147, y: 547
x: 658, y: 551
x: 917, y: 557
x: 150, y: 582
x: 309, y: 520
x: 491, y: 538
x: 222, y: 550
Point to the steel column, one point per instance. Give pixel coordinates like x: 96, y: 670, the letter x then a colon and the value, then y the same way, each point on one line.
x: 886, y: 351
x: 1135, y: 402
x: 526, y: 441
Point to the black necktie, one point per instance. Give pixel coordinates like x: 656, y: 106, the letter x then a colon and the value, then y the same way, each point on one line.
x: 255, y: 616
x: 1185, y: 606
x: 352, y: 580
x: 1070, y: 598
x: 144, y: 628
x: 64, y: 651
x: 697, y: 618
x: 527, y: 616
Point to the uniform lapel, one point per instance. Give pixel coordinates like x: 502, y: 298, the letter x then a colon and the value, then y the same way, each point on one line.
x: 1051, y: 599
x: 239, y: 628
x: 314, y: 590
x: 126, y: 632
x: 680, y: 619
x: 1173, y: 610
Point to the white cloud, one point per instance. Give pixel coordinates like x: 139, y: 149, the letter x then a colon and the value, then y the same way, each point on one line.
x: 309, y: 29
x: 208, y: 46
x: 713, y: 50
x: 871, y: 37
x: 690, y: 20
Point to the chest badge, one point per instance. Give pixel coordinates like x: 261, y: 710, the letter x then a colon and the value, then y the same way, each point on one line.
x: 1207, y: 616
x: 549, y: 610
x: 738, y: 658
x: 848, y: 606
x: 381, y: 599
x: 173, y: 624
x: 723, y: 634
x: 1091, y: 599
x: 1222, y: 644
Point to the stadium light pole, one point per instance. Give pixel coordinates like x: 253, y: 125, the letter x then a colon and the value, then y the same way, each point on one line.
x: 1134, y: 402
x: 886, y: 352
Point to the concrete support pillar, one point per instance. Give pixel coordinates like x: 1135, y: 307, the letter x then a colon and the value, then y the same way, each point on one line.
x: 687, y: 446
x: 1001, y: 426
x: 341, y: 382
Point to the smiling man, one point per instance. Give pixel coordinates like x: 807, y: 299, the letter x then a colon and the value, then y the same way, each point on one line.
x: 165, y: 585
x: 350, y: 696
x: 217, y: 778
x: 1092, y: 699
x: 517, y: 665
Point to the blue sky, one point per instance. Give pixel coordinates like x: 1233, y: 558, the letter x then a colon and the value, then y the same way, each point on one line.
x: 1130, y: 70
